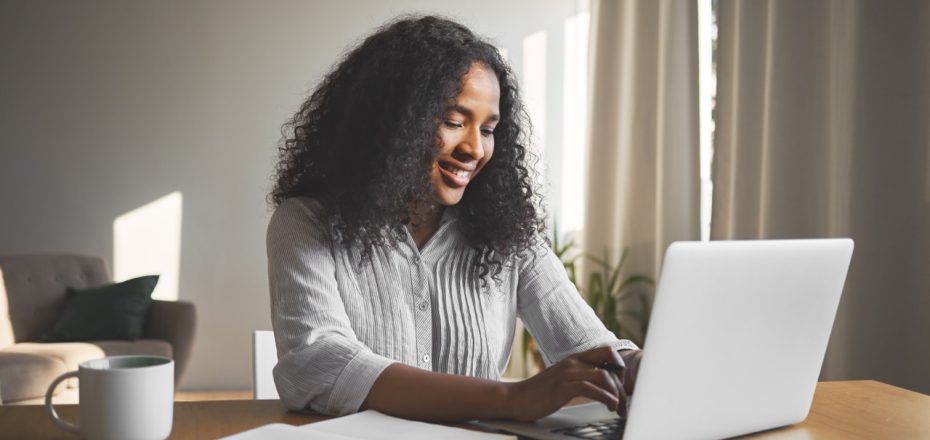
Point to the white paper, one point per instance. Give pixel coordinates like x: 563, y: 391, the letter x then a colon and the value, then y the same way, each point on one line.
x: 374, y: 425
x: 283, y: 431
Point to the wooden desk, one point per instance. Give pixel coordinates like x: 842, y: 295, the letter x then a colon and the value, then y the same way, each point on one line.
x: 841, y: 410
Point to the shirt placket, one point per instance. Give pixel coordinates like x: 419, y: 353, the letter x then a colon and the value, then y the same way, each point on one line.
x: 422, y: 297
x: 422, y: 313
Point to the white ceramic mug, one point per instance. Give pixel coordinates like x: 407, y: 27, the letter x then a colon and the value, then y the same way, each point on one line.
x: 121, y: 397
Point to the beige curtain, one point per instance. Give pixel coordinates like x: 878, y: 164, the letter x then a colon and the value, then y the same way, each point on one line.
x: 643, y: 180
x: 823, y: 130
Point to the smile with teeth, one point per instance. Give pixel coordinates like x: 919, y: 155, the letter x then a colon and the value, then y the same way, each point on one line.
x: 456, y: 175
x: 457, y: 171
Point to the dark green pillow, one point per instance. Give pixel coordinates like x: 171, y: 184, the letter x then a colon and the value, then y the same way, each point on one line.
x: 113, y: 311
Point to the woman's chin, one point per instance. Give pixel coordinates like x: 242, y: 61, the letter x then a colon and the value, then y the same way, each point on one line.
x: 449, y: 196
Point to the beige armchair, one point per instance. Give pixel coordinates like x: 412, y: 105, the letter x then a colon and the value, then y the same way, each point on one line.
x: 32, y: 296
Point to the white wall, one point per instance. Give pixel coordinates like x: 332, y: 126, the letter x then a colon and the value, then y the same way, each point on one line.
x: 106, y: 106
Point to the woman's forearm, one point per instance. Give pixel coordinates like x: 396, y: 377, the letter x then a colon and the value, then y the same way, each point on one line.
x: 412, y: 393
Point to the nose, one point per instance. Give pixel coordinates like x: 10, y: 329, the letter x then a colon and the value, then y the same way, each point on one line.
x: 471, y: 145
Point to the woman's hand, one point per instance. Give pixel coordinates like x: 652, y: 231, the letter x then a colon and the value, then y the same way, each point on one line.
x: 577, y: 375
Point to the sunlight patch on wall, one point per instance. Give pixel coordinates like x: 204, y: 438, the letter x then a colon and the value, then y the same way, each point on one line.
x: 574, y: 117
x: 147, y: 240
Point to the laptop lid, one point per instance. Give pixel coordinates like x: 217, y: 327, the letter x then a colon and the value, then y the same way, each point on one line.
x: 737, y: 337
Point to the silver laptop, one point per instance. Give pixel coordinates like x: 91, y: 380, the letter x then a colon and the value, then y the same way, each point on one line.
x: 736, y: 341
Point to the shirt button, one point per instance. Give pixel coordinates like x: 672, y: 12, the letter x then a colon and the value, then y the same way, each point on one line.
x: 416, y: 259
x: 425, y: 358
x: 423, y: 306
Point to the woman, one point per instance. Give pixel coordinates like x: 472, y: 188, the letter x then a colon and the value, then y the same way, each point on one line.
x: 406, y: 241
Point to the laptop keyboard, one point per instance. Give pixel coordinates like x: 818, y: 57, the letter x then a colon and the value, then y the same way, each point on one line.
x: 606, y: 429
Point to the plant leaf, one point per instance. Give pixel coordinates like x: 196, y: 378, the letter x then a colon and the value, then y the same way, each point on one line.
x: 616, y: 271
x: 595, y: 292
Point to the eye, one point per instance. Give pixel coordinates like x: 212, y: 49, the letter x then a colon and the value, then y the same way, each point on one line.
x: 487, y: 132
x: 452, y: 124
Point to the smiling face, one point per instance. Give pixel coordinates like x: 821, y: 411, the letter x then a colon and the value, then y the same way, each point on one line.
x: 466, y: 135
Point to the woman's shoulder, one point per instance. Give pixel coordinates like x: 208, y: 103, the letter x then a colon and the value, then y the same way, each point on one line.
x: 300, y: 213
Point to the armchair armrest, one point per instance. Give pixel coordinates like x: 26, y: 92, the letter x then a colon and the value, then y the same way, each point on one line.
x: 175, y: 322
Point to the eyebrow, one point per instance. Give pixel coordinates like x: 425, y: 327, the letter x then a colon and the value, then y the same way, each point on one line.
x: 468, y: 113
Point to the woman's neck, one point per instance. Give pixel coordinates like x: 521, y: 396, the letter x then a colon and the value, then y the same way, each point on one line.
x: 423, y: 226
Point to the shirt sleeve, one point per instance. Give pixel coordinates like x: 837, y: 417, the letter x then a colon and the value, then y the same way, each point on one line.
x: 559, y: 319
x: 321, y: 363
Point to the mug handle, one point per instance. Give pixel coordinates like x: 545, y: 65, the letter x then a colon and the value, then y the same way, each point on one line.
x: 59, y: 422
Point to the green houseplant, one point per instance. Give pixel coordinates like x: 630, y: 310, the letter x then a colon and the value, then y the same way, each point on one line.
x: 622, y: 304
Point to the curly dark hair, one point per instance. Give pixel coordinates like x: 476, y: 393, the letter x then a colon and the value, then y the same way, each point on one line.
x: 364, y: 142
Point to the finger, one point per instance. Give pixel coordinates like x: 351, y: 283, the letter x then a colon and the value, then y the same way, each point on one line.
x: 594, y: 392
x: 618, y: 386
x: 600, y: 378
x: 615, y: 358
x: 618, y: 368
x: 616, y: 378
x: 632, y: 359
x: 618, y: 372
x: 622, y: 402
x: 608, y: 359
x: 603, y: 357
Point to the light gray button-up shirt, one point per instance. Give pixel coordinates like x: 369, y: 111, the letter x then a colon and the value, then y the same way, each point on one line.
x: 339, y: 324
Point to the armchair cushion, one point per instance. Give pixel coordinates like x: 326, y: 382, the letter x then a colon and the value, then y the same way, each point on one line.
x: 26, y: 375
x: 113, y: 311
